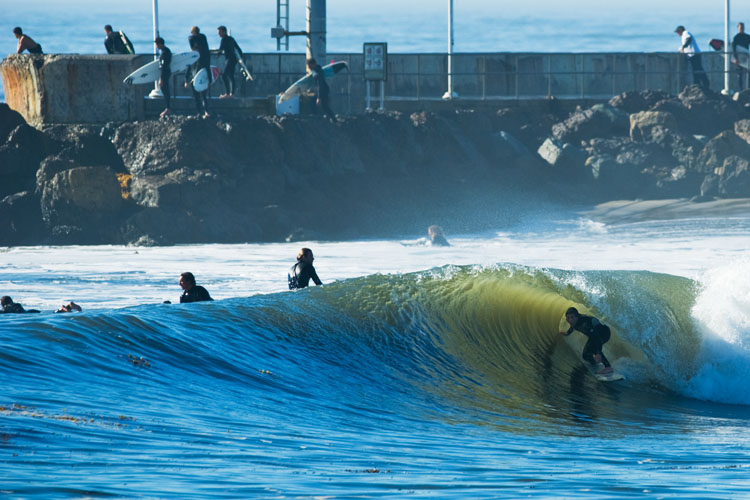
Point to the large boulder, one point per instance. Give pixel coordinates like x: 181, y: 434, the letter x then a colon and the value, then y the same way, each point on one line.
x: 21, y: 219
x: 84, y: 146
x: 719, y: 148
x: 566, y: 158
x: 20, y: 156
x: 742, y: 129
x: 598, y: 121
x: 82, y: 197
x: 9, y: 120
x: 642, y: 123
x: 734, y: 181
x: 633, y: 101
x: 709, y: 113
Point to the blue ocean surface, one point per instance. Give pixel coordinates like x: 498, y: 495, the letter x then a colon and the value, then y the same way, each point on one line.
x: 419, y: 26
x: 412, y: 372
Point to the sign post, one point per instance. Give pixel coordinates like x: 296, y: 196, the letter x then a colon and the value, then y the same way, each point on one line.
x: 375, y: 68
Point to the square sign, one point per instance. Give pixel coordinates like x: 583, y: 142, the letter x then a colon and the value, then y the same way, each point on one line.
x: 376, y: 60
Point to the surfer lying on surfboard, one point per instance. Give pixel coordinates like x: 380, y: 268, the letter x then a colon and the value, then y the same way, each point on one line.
x: 598, y: 335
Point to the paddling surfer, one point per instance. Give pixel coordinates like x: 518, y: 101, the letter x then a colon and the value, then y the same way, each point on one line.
x: 598, y: 335
x: 191, y: 291
x: 300, y: 273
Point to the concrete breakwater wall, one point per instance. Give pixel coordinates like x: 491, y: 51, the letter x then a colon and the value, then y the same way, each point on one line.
x: 89, y: 89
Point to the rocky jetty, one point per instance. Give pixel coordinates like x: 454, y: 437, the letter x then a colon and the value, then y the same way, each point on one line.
x: 188, y: 180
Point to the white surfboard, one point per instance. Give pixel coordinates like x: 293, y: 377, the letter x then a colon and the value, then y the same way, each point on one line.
x: 243, y: 69
x: 149, y: 73
x: 608, y: 377
x: 743, y: 57
x: 200, y: 80
x: 306, y: 82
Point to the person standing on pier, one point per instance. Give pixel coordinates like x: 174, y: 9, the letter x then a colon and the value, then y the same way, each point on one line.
x: 26, y: 43
x: 199, y: 43
x: 322, y: 91
x: 231, y: 52
x: 113, y: 41
x: 165, y: 63
x: 741, y: 39
x: 690, y: 48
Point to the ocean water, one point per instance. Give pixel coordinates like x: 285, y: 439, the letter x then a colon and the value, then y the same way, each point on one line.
x: 419, y: 26
x: 413, y: 372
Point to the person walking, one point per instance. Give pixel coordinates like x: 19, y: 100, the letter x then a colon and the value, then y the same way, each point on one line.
x: 165, y: 72
x: 689, y: 47
x: 232, y: 52
x: 199, y: 43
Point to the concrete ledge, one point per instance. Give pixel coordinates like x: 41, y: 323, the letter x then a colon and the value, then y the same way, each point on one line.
x: 72, y: 88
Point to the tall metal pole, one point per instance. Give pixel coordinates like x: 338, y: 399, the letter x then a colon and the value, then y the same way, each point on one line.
x: 155, y: 13
x: 316, y: 30
x: 727, y: 51
x: 450, y: 94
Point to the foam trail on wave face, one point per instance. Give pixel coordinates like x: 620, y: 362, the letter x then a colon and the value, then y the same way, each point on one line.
x: 723, y: 311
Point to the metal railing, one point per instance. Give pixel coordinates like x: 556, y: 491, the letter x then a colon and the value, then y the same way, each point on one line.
x: 490, y: 76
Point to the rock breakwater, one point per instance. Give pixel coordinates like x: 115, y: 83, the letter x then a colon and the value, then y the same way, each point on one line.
x: 189, y: 180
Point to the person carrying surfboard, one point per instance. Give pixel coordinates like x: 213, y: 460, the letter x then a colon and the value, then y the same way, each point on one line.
x: 113, y: 41
x: 199, y: 43
x: 322, y: 91
x: 598, y: 335
x: 232, y: 53
x: 165, y: 72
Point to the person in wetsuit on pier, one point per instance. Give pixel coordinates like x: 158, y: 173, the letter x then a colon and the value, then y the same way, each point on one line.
x: 597, y: 333
x: 113, y: 41
x: 199, y: 43
x: 192, y: 292
x: 300, y: 273
x: 322, y: 91
x: 165, y: 72
x: 230, y: 49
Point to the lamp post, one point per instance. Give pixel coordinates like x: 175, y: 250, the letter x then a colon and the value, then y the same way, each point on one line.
x: 726, y: 90
x: 449, y: 94
x: 155, y: 14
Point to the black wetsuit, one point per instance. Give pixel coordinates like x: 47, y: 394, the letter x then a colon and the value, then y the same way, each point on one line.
x: 598, y: 335
x: 199, y: 44
x: 195, y: 294
x: 12, y: 308
x: 230, y: 48
x: 740, y: 40
x: 113, y: 43
x: 165, y: 68
x: 322, y: 91
x: 300, y: 274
